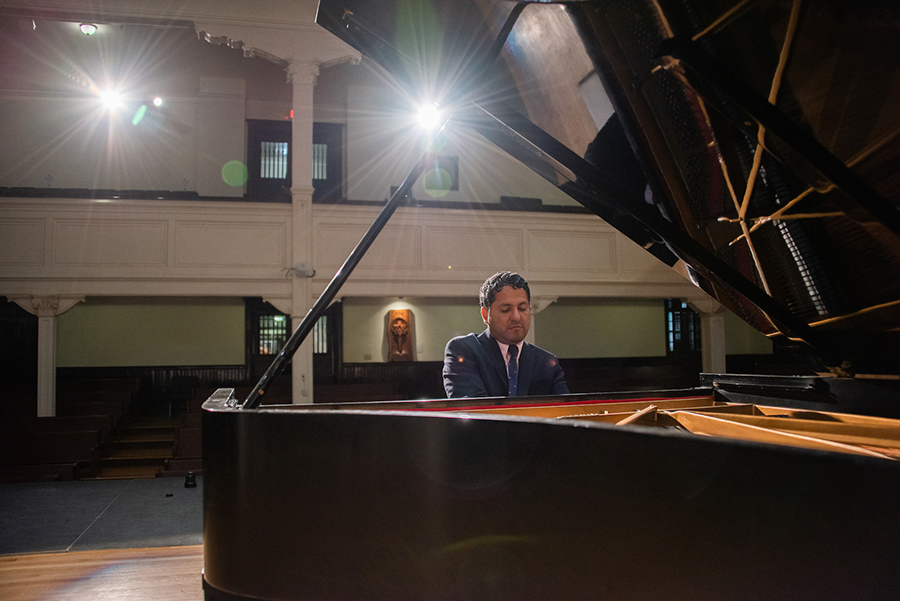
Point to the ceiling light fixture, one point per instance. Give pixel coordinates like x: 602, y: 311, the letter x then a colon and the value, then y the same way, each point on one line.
x: 88, y: 28
x: 111, y: 99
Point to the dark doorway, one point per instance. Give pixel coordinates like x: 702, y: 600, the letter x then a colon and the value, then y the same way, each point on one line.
x: 269, y: 160
x: 267, y: 329
x: 682, y: 328
x: 328, y: 161
x: 327, y: 349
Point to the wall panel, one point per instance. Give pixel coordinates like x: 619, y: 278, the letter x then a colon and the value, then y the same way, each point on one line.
x: 110, y: 247
x: 470, y: 248
x: 395, y: 248
x: 110, y: 242
x: 211, y: 244
x: 22, y: 242
x: 572, y: 252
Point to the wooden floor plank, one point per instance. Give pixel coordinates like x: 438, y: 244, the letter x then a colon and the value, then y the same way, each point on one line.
x: 171, y: 573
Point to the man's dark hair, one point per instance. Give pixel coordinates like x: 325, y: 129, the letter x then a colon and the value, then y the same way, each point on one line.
x: 497, y: 282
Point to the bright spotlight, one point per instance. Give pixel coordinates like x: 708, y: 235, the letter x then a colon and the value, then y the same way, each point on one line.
x: 88, y: 28
x: 111, y: 99
x: 157, y: 101
x: 429, y: 116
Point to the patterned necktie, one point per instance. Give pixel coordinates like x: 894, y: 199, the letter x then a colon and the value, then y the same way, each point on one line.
x: 513, y: 370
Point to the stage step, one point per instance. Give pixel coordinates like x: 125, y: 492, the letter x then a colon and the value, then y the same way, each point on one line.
x: 139, y: 450
x: 124, y: 448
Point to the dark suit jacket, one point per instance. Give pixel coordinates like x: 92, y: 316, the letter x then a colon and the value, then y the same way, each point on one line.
x: 474, y: 367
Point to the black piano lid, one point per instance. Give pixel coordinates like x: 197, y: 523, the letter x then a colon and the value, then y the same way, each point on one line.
x: 800, y: 239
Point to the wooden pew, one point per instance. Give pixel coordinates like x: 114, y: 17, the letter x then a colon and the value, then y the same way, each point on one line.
x: 192, y: 419
x: 188, y: 454
x: 123, y: 398
x: 188, y: 443
x: 131, y: 385
x: 114, y: 409
x: 18, y: 405
x: 32, y: 452
x: 23, y: 425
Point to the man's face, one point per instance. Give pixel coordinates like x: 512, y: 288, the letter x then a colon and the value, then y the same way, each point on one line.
x: 509, y: 317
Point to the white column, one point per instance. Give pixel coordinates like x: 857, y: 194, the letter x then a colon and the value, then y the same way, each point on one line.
x: 303, y: 77
x: 712, y: 334
x: 46, y: 384
x: 46, y: 308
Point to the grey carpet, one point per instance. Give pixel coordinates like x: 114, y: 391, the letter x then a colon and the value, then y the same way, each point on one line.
x: 44, y: 517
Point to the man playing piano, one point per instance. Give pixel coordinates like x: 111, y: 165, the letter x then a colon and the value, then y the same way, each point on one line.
x: 498, y: 362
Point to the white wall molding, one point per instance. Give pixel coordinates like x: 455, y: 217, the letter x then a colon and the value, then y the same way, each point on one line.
x: 46, y: 305
x: 181, y: 248
x: 143, y: 248
x: 282, y: 303
x: 297, y: 43
x: 449, y: 253
x: 539, y: 303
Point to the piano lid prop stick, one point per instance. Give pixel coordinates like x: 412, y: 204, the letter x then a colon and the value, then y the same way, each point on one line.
x: 648, y: 412
x: 293, y: 343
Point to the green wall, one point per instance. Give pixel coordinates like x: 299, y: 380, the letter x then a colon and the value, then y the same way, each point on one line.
x: 570, y: 328
x: 151, y: 332
x: 158, y: 332
x: 434, y: 323
x: 574, y: 329
x: 743, y: 339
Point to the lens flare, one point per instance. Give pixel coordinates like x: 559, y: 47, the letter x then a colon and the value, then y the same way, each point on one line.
x: 429, y: 116
x: 234, y: 173
x: 438, y: 182
x: 139, y: 115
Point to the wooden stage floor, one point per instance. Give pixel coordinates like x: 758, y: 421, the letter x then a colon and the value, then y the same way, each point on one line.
x: 150, y: 574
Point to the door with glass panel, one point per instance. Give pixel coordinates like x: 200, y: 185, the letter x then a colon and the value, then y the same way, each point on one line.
x: 269, y: 160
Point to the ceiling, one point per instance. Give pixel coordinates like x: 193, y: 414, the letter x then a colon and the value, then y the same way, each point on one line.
x: 274, y: 13
x: 281, y: 30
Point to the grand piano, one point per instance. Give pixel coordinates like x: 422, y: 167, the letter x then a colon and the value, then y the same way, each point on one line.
x: 753, y: 147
